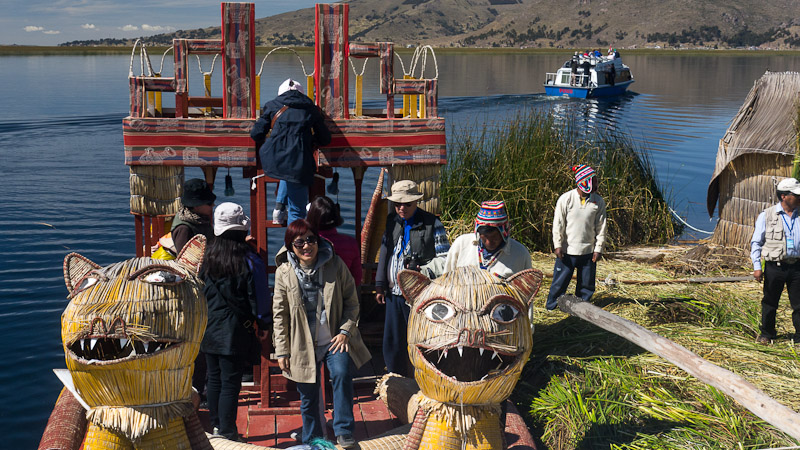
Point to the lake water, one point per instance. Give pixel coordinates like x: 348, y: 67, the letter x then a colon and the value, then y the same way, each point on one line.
x: 64, y: 187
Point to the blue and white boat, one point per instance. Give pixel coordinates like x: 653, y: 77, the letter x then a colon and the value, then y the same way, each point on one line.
x: 586, y: 76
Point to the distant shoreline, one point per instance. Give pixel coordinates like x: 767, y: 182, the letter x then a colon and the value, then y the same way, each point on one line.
x: 29, y: 50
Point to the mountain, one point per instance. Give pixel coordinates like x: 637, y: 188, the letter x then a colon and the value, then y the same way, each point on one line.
x: 543, y: 23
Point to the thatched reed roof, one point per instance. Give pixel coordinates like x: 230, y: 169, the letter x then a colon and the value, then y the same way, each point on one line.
x: 765, y: 125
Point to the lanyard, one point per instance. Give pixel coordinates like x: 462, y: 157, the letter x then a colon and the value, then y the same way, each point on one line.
x: 783, y: 216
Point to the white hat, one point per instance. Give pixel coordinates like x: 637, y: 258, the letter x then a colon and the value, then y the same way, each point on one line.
x: 789, y: 185
x: 230, y: 216
x: 405, y: 191
x: 289, y: 85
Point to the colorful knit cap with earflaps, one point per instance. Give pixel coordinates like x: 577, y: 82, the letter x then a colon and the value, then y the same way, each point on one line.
x: 493, y: 214
x: 583, y: 177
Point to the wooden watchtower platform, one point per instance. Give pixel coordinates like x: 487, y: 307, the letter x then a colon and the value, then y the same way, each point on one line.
x: 208, y: 132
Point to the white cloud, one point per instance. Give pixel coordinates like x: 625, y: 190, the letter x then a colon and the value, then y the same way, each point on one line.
x: 51, y: 32
x: 30, y: 28
x: 146, y: 27
x: 129, y: 27
x: 88, y: 26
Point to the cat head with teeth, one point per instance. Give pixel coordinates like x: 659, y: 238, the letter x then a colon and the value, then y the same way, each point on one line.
x: 132, y: 329
x: 469, y: 334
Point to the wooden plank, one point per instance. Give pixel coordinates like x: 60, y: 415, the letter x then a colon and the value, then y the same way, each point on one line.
x: 375, y: 416
x: 238, y: 60
x: 741, y: 390
x: 284, y: 426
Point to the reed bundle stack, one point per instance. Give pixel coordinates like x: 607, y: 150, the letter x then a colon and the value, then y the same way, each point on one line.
x: 755, y: 153
x: 156, y: 190
x: 427, y: 178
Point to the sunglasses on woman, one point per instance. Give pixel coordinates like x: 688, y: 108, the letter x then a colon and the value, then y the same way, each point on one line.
x: 300, y: 243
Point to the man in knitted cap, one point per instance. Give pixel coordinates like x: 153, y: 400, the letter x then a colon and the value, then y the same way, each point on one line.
x: 489, y: 247
x: 579, y: 233
x: 286, y: 143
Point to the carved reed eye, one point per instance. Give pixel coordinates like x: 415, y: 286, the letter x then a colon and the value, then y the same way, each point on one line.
x: 162, y: 277
x: 87, y: 282
x: 504, y: 313
x: 439, y: 312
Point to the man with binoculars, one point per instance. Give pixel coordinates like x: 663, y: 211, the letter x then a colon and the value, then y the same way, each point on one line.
x: 414, y: 239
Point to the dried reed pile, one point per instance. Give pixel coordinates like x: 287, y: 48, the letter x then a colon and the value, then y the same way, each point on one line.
x: 156, y: 190
x: 526, y: 162
x: 754, y: 154
x: 587, y: 388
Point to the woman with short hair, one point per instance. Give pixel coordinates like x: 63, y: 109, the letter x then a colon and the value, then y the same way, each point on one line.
x: 315, y: 315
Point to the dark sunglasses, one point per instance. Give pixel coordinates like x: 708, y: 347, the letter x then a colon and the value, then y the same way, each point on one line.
x: 406, y: 204
x: 300, y: 243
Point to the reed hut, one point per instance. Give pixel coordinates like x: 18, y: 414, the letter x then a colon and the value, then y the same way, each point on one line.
x: 756, y: 152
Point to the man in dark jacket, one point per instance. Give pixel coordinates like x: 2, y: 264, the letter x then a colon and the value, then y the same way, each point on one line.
x: 414, y: 239
x: 287, y: 153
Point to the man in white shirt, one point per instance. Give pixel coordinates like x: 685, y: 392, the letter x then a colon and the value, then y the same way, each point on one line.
x: 489, y: 247
x: 579, y: 233
x: 776, y: 240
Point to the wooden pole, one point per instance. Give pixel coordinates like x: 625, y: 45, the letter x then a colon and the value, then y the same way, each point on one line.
x: 744, y: 392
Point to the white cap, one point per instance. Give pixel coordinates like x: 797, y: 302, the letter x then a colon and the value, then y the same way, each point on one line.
x: 789, y: 185
x: 289, y: 85
x: 230, y: 216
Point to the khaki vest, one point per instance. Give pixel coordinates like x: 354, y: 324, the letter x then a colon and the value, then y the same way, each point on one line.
x: 774, y: 248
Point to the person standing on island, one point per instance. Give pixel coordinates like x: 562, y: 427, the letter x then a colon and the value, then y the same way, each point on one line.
x: 490, y: 246
x: 414, y: 239
x: 776, y: 241
x: 579, y: 233
x: 286, y: 134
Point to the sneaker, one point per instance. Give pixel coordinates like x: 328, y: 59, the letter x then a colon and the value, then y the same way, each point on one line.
x: 346, y: 441
x: 294, y: 435
x: 763, y: 339
x: 279, y: 216
x: 215, y: 432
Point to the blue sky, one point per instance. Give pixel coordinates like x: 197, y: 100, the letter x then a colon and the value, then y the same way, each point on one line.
x: 51, y: 22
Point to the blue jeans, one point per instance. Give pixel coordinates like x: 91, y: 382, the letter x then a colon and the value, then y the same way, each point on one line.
x: 562, y: 274
x: 224, y: 383
x: 341, y: 368
x: 295, y: 196
x: 395, y: 341
x: 281, y: 197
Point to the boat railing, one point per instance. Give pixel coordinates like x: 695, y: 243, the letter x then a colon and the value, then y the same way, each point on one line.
x: 566, y: 78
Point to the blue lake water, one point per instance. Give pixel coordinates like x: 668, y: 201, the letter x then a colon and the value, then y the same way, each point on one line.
x: 64, y: 187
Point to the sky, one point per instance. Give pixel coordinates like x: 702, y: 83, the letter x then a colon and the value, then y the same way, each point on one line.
x: 52, y: 22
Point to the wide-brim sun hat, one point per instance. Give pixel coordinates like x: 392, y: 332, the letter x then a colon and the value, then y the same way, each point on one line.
x: 405, y: 191
x: 197, y: 192
x: 230, y: 216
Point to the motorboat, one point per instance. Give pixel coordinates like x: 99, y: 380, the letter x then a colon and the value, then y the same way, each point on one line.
x: 589, y: 76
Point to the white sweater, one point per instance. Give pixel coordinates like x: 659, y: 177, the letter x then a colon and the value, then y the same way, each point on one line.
x: 512, y: 258
x: 578, y: 228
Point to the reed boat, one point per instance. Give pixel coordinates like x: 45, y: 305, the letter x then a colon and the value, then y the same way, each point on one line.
x: 589, y: 76
x: 404, y: 140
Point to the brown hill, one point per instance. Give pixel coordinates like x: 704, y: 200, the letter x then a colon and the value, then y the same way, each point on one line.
x: 545, y: 23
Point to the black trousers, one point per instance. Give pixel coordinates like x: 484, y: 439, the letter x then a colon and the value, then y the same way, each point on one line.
x: 776, y: 276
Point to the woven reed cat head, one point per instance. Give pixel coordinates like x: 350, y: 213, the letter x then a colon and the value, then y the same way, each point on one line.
x: 133, y: 329
x: 469, y: 334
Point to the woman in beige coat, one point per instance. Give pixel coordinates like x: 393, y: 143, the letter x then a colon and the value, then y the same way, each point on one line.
x: 315, y: 311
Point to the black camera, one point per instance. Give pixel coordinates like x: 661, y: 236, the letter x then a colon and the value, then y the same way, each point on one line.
x: 411, y: 262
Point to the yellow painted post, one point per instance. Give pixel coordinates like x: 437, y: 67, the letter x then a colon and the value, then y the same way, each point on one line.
x: 359, y: 98
x: 150, y: 100
x: 423, y: 113
x: 406, y: 100
x: 159, y: 112
x: 310, y: 86
x: 258, y: 93
x: 207, y: 84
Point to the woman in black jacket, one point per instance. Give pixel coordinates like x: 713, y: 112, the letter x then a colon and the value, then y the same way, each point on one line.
x: 229, y: 342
